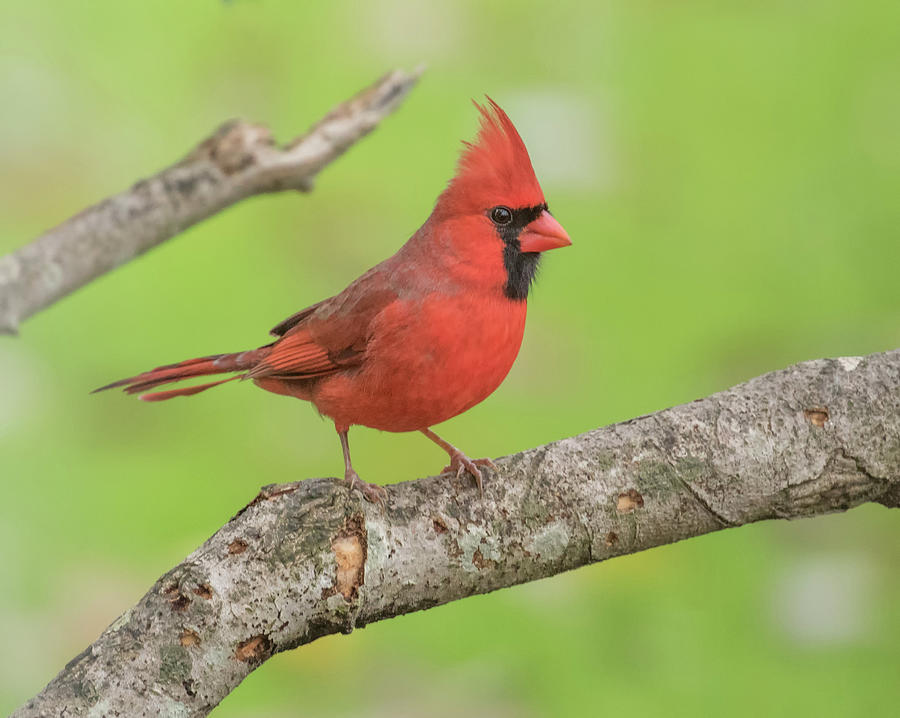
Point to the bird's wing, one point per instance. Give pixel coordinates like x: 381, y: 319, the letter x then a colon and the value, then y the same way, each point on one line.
x: 330, y: 335
x: 292, y: 321
x: 296, y: 356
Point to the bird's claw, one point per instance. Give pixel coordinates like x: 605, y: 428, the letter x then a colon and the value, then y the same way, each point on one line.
x: 373, y: 493
x: 459, y: 463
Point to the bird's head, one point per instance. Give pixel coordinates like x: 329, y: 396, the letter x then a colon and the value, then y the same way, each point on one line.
x: 495, y: 200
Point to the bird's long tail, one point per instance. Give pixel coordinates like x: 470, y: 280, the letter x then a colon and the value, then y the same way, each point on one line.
x: 202, y: 366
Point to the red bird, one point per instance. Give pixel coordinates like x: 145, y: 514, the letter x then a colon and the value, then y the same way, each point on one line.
x: 426, y: 334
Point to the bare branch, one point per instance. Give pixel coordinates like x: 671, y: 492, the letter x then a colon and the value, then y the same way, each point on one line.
x: 239, y: 160
x: 307, y: 559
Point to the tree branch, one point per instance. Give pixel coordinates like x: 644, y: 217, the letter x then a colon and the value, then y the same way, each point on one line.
x: 307, y: 559
x: 239, y: 160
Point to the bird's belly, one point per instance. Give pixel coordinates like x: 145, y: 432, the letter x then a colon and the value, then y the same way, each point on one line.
x: 426, y: 364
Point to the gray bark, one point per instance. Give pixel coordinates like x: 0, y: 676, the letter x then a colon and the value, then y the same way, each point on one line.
x: 239, y: 160
x: 307, y: 559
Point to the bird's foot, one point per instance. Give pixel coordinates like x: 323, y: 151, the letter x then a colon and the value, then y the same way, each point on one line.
x: 459, y: 462
x: 372, y: 492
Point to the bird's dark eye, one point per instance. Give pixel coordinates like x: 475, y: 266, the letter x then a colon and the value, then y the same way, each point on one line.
x: 501, y: 215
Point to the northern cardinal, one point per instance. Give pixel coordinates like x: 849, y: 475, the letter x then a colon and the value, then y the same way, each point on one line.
x: 427, y: 333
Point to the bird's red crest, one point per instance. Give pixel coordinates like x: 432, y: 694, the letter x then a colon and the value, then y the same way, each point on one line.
x: 493, y: 170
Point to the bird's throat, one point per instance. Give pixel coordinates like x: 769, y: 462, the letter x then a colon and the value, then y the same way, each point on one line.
x: 521, y: 268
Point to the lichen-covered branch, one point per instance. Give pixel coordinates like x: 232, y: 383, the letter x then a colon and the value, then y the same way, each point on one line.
x: 310, y: 558
x: 239, y: 160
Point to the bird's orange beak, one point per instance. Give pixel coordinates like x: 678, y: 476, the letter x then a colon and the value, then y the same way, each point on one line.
x: 542, y: 234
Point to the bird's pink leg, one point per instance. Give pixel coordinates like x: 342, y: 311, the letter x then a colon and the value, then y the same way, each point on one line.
x: 459, y: 462
x: 373, y: 492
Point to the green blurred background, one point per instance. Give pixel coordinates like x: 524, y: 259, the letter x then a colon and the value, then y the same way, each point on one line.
x: 730, y: 175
